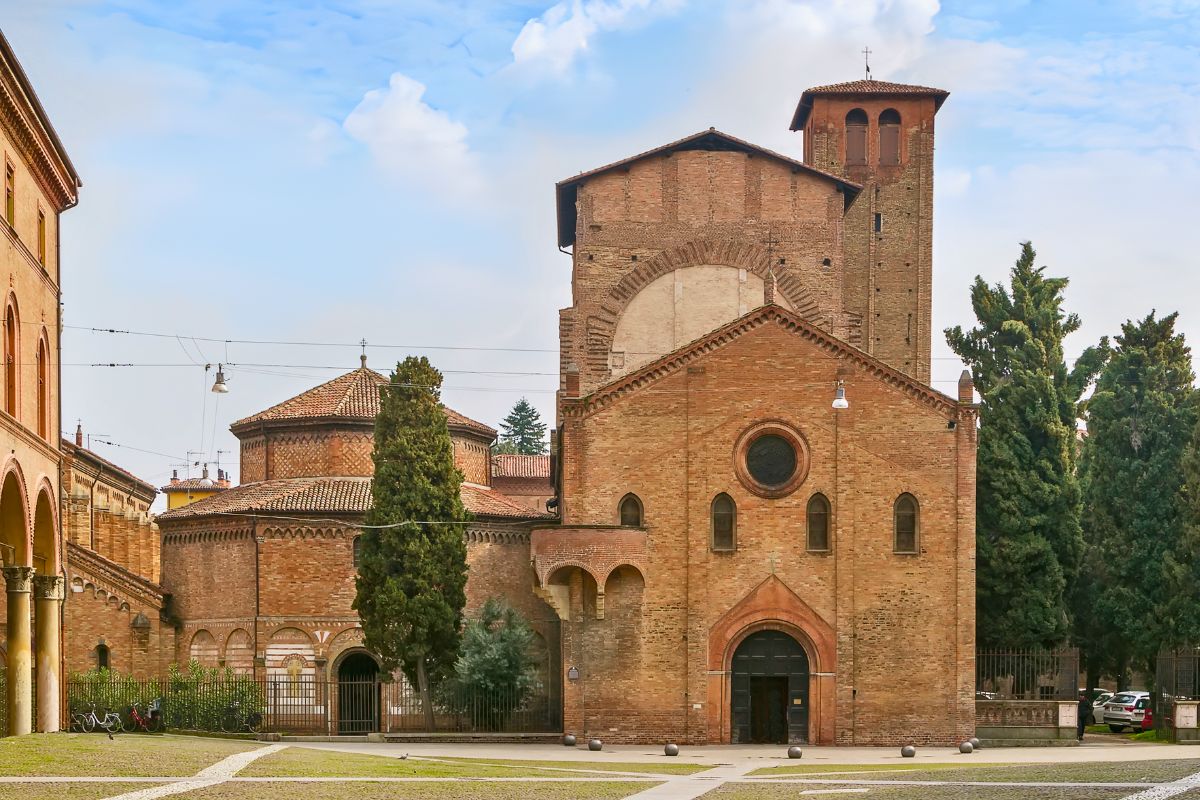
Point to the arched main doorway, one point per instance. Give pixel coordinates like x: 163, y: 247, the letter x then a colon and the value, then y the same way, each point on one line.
x: 769, y: 690
x: 358, y: 694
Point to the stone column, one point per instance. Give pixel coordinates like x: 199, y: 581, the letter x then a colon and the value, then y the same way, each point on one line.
x: 48, y: 591
x: 20, y: 716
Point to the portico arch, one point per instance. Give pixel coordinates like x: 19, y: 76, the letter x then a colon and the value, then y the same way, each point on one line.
x: 772, y: 606
x: 45, y: 542
x: 14, y: 520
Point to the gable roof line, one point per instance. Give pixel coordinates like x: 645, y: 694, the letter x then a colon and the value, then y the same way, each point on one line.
x: 720, y: 134
x: 849, y: 187
x: 672, y: 362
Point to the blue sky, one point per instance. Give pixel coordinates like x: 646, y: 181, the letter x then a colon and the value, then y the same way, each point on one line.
x: 331, y: 171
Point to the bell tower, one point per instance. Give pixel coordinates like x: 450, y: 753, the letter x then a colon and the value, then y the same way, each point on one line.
x: 880, y: 135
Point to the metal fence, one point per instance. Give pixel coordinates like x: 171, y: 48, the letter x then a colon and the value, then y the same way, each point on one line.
x: 301, y: 705
x: 1027, y: 674
x: 1178, y: 678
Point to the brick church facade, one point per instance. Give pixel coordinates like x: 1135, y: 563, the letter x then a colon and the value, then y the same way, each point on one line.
x: 762, y: 515
x: 739, y: 557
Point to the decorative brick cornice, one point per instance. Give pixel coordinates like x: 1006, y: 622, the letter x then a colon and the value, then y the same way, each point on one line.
x: 764, y: 315
x: 28, y: 127
x: 115, y: 579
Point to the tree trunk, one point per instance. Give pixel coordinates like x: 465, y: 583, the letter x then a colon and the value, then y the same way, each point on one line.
x: 426, y: 699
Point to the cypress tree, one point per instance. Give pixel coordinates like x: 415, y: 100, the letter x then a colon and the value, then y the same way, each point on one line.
x: 411, y: 586
x: 523, y: 431
x: 1027, y: 511
x: 1140, y: 422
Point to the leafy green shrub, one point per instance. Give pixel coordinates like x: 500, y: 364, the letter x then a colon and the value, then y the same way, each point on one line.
x: 495, y: 672
x: 194, y: 697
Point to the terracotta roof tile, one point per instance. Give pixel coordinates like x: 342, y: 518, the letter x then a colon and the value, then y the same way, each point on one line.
x: 194, y: 484
x: 328, y: 496
x: 355, y: 395
x: 287, y: 495
x: 510, y: 465
x: 486, y: 502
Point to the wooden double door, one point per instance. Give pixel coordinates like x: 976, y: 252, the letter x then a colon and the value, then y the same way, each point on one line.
x: 769, y: 690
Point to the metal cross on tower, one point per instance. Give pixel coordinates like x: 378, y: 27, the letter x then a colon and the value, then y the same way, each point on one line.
x: 866, y: 51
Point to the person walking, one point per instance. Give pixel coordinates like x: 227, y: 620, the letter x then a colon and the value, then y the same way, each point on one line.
x: 1084, y: 714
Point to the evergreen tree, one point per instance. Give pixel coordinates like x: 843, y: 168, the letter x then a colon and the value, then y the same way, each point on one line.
x: 495, y: 671
x: 522, y: 431
x: 1027, y: 504
x: 411, y: 586
x: 1182, y: 568
x: 1140, y: 422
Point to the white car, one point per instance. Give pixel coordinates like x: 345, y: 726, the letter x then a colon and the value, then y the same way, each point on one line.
x: 1124, y: 711
x: 1098, y: 707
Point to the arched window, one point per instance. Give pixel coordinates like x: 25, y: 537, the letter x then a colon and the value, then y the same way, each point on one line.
x: 907, y: 524
x: 889, y: 137
x: 10, y: 360
x: 357, y: 549
x: 856, y: 137
x: 102, y: 656
x: 724, y: 523
x: 43, y: 391
x: 631, y: 511
x: 818, y: 523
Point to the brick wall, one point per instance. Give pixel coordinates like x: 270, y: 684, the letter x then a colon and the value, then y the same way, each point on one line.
x: 904, y: 624
x: 698, y: 208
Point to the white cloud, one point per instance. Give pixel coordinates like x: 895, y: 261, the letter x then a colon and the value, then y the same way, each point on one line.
x: 413, y: 140
x: 561, y: 33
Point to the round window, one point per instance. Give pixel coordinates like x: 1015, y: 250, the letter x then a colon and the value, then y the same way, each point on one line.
x: 771, y: 460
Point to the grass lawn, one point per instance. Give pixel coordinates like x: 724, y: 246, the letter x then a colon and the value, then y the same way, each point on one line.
x: 75, y: 754
x: 418, y: 791
x: 1120, y: 772
x: 758, y: 791
x: 304, y: 762
x: 67, y: 791
x: 664, y: 767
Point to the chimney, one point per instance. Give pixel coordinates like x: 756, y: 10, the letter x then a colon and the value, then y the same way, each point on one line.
x: 79, y: 434
x: 966, y: 388
x: 204, y: 473
x: 174, y: 476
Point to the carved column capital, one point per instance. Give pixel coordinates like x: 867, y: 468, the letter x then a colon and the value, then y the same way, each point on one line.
x: 49, y: 587
x: 18, y: 579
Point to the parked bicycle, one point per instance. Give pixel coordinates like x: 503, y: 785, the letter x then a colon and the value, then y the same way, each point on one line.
x: 89, y: 721
x: 150, y: 722
x: 237, y: 721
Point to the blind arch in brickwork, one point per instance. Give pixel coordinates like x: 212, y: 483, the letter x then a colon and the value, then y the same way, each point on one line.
x: 755, y: 259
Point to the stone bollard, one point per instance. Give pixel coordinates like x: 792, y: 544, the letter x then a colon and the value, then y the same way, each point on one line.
x: 795, y: 752
x: 569, y: 740
x: 671, y: 749
x: 595, y: 745
x: 974, y: 740
x: 908, y: 751
x: 966, y: 748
